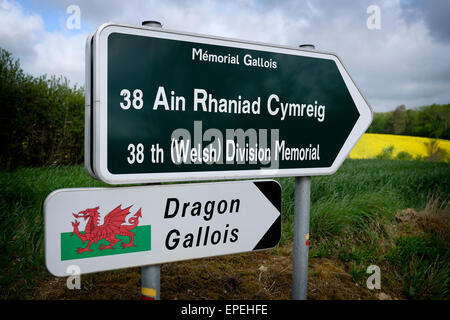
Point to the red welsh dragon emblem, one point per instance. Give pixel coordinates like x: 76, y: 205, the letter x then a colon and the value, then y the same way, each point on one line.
x: 112, y: 226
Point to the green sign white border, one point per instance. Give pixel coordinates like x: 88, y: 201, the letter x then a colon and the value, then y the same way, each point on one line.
x: 98, y: 89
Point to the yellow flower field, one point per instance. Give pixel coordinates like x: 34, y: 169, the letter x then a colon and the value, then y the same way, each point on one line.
x: 372, y: 144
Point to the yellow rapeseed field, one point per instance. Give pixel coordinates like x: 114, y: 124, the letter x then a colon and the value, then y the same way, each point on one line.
x: 371, y: 144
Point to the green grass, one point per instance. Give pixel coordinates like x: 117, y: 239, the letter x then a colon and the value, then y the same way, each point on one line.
x: 23, y: 192
x: 424, y: 263
x: 362, y: 194
x: 350, y: 215
x: 352, y: 211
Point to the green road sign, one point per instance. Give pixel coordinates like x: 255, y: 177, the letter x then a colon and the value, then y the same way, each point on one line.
x: 169, y: 106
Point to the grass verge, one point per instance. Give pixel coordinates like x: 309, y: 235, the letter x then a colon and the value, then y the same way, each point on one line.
x: 354, y: 223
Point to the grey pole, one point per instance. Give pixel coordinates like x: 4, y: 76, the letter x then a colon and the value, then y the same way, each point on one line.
x: 302, y: 206
x: 150, y: 282
x: 151, y: 275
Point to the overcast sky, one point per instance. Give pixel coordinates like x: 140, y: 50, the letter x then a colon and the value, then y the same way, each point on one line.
x: 404, y: 61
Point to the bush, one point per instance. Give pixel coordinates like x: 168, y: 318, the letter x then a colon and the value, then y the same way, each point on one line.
x: 434, y: 152
x: 42, y: 119
x: 386, y: 154
x: 404, y: 155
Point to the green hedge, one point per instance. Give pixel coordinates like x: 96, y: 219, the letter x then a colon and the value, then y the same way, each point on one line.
x: 42, y: 120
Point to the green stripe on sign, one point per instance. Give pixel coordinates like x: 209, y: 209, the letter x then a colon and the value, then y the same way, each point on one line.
x: 70, y: 244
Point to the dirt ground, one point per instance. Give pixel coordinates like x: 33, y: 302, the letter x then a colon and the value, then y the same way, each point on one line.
x: 264, y: 275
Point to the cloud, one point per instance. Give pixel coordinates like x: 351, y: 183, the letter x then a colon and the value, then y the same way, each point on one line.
x: 405, y: 62
x: 59, y: 53
x: 434, y: 13
x: 17, y: 30
x: 399, y: 64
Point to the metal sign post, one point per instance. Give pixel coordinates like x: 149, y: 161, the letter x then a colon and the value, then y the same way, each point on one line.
x: 151, y: 275
x: 150, y: 282
x: 302, y: 205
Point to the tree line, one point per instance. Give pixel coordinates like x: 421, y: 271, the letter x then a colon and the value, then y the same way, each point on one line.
x: 42, y: 119
x: 428, y: 121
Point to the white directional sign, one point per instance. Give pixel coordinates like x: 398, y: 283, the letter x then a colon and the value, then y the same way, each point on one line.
x: 98, y: 229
